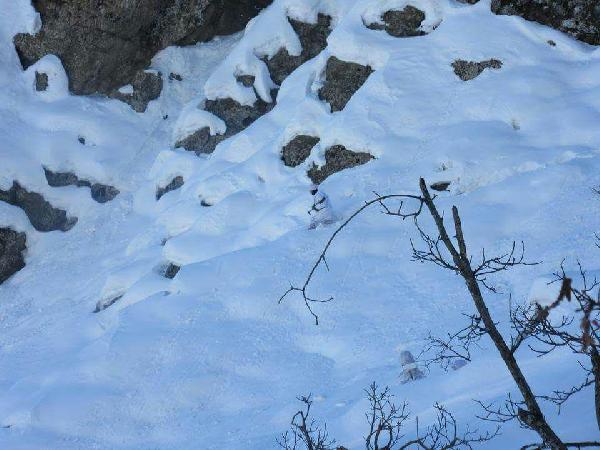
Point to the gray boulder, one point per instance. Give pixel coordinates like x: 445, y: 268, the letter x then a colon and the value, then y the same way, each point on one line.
x: 104, y: 44
x: 313, y: 37
x: 236, y: 116
x: 101, y: 193
x: 337, y: 158
x: 12, y: 246
x: 147, y: 86
x: 171, y: 270
x: 401, y: 23
x: 42, y: 215
x: 467, y: 70
x: 579, y: 18
x: 41, y: 81
x: 342, y: 80
x: 298, y: 149
x: 174, y: 184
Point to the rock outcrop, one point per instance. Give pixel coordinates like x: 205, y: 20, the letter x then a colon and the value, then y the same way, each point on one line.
x: 145, y: 87
x: 42, y: 215
x: 41, y: 81
x: 467, y: 70
x: 337, y: 158
x: 298, y: 149
x: 313, y: 37
x: 174, y: 184
x: 237, y: 117
x: 401, y: 23
x: 12, y: 246
x: 101, y: 193
x: 342, y: 80
x: 104, y: 44
x: 579, y: 18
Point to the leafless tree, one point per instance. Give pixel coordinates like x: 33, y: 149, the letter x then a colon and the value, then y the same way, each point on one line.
x: 451, y: 254
x: 385, y: 420
x: 304, y: 431
x: 577, y: 330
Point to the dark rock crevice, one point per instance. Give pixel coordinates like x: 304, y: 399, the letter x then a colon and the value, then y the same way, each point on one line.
x: 342, y: 80
x: 12, y: 247
x: 101, y: 193
x: 468, y: 70
x: 42, y: 215
x: 337, y: 158
x: 579, y: 18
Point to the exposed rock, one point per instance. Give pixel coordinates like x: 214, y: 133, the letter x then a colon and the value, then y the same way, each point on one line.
x: 201, y: 141
x: 313, y: 37
x: 147, y: 86
x: 469, y: 2
x: 342, y: 80
x: 103, y: 304
x: 171, y: 270
x: 104, y: 44
x: 337, y: 158
x: 579, y: 18
x: 41, y: 81
x: 81, y: 140
x: 205, y: 204
x: 467, y: 70
x: 101, y: 193
x: 440, y: 186
x: 42, y: 215
x: 174, y: 184
x: 404, y: 23
x: 298, y: 149
x: 410, y: 370
x: 236, y: 116
x: 175, y: 76
x: 246, y: 80
x: 12, y: 246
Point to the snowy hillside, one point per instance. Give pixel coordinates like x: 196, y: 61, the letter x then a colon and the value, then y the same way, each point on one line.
x: 147, y: 315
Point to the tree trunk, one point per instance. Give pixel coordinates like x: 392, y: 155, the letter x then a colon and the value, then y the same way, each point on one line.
x: 533, y: 417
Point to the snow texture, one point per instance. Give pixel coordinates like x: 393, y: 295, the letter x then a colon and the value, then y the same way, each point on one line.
x: 209, y: 359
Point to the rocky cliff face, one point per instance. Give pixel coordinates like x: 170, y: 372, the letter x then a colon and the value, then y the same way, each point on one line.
x: 104, y: 44
x: 579, y: 18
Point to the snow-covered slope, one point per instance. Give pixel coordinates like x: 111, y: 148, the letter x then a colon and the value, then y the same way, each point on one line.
x: 209, y: 359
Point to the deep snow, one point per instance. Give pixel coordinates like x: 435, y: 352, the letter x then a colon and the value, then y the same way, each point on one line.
x: 210, y: 360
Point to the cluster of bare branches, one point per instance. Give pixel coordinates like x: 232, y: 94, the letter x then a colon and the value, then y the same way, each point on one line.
x: 455, y: 347
x: 304, y: 431
x: 451, y: 254
x: 322, y: 260
x: 578, y: 331
x: 385, y: 420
